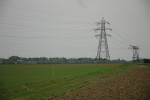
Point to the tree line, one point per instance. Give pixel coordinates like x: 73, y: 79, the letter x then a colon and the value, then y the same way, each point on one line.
x: 56, y: 60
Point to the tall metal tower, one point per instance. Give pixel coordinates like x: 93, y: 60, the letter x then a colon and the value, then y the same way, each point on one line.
x: 103, y: 51
x: 135, y: 53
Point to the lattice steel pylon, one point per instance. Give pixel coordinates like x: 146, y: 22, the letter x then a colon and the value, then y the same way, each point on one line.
x: 103, y: 51
x: 135, y: 53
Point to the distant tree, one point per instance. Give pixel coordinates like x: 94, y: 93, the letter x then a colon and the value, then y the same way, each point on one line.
x: 146, y: 60
x: 13, y: 58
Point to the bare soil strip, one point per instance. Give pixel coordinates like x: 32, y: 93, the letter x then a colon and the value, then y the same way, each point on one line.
x: 134, y: 85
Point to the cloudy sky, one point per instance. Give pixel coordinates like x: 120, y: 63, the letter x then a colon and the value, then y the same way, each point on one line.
x: 64, y: 28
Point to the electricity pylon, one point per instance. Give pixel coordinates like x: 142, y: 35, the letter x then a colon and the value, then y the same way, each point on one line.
x: 135, y: 53
x: 103, y: 51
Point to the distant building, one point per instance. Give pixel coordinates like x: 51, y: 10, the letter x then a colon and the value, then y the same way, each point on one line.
x: 19, y: 61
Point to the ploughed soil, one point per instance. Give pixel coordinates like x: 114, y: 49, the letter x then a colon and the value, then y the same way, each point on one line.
x: 134, y: 85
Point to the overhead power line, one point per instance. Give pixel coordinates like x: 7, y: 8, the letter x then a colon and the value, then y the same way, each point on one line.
x: 44, y: 12
x: 123, y: 36
x: 47, y: 20
x: 127, y: 40
x: 44, y: 37
x: 43, y: 28
x: 118, y: 40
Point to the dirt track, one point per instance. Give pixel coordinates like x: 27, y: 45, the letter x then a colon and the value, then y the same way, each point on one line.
x: 131, y: 86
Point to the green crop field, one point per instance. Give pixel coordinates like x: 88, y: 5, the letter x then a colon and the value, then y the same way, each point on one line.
x: 33, y: 82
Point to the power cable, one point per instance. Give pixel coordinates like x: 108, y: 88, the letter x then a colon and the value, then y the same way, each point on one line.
x: 120, y: 41
x: 31, y: 27
x: 47, y: 21
x: 126, y: 38
x: 39, y: 37
x: 42, y: 12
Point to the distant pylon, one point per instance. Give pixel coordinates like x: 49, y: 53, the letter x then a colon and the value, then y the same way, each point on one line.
x: 103, y: 51
x: 135, y: 53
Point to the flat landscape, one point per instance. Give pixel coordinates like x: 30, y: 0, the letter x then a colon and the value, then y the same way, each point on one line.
x: 74, y: 50
x: 73, y: 81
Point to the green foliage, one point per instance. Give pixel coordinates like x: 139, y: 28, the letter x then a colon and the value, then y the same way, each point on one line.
x: 13, y: 58
x: 146, y: 60
x: 56, y: 60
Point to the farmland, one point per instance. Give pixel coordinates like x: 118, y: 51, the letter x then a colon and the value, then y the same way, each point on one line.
x: 43, y: 81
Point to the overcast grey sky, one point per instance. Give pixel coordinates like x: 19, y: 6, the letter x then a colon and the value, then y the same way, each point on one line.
x: 64, y: 28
